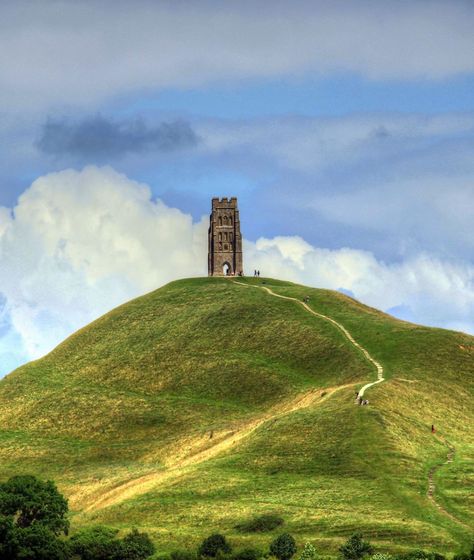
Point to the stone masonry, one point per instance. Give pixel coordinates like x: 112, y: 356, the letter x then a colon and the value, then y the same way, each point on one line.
x: 225, y: 240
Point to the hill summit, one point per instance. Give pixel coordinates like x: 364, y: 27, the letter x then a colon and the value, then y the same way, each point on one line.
x: 212, y: 400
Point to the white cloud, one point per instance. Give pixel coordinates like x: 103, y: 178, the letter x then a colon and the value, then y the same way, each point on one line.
x: 432, y: 291
x: 81, y: 242
x: 85, y: 52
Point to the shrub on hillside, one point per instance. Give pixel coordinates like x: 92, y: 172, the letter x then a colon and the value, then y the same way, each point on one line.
x: 355, y: 548
x: 261, y: 524
x: 420, y: 555
x: 101, y: 543
x: 308, y: 552
x: 135, y: 546
x: 213, y: 546
x: 247, y: 554
x: 95, y: 543
x: 283, y: 547
x: 182, y: 555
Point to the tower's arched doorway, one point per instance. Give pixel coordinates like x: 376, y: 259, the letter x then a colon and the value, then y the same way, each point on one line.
x: 226, y: 269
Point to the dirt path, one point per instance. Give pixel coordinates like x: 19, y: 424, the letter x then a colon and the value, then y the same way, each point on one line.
x: 431, y: 493
x: 179, y: 467
x: 347, y: 334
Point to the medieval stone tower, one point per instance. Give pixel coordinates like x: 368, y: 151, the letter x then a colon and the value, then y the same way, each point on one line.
x: 225, y: 240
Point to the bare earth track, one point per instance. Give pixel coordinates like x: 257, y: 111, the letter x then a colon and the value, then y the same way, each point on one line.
x: 198, y: 454
x: 431, y: 483
x: 179, y: 467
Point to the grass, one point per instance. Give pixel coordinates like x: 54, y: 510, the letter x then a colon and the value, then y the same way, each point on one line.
x: 172, y: 373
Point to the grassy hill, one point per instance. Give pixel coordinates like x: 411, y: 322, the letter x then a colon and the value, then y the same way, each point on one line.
x: 205, y: 403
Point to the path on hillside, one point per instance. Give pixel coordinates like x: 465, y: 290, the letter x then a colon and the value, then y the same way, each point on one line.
x: 431, y: 493
x: 347, y: 334
x: 380, y: 378
x: 198, y: 454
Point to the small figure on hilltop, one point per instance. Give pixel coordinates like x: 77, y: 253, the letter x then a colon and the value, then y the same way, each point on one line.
x: 255, y: 273
x: 433, y: 429
x: 306, y: 299
x: 258, y: 273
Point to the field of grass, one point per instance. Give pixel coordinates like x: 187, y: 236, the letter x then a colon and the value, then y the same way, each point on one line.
x: 205, y: 403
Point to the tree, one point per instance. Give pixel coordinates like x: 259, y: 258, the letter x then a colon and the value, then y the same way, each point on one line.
x: 308, y: 552
x: 32, y: 516
x: 355, y: 548
x: 36, y: 542
x: 283, y: 547
x: 136, y: 546
x: 28, y: 500
x: 214, y: 544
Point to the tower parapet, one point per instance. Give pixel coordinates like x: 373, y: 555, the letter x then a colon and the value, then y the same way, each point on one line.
x: 225, y: 239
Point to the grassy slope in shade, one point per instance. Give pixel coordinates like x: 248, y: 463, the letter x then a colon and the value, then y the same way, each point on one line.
x: 148, y: 384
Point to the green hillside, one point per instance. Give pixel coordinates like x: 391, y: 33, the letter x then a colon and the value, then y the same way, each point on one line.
x: 207, y: 402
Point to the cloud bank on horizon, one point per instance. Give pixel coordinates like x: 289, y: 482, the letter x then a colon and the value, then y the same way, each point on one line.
x: 81, y: 242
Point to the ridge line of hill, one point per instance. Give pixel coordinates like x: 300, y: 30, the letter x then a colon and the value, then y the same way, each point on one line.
x: 378, y: 366
x: 174, y: 470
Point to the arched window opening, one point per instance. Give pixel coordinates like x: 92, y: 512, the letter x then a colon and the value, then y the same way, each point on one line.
x: 226, y: 269
x: 225, y: 220
x: 220, y: 236
x: 230, y: 220
x: 220, y: 221
x: 231, y: 237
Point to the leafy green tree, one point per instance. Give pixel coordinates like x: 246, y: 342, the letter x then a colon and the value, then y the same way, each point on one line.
x: 308, y: 552
x: 29, y: 500
x: 355, y: 548
x: 32, y: 516
x: 36, y: 542
x: 6, y: 528
x: 136, y: 546
x: 213, y: 545
x: 95, y: 543
x: 283, y: 547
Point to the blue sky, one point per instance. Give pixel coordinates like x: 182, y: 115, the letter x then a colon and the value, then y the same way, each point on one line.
x: 346, y: 130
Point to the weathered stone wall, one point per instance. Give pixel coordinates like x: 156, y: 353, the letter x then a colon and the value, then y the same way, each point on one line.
x: 225, y: 239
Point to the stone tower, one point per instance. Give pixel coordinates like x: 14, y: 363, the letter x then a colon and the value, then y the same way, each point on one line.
x: 225, y: 240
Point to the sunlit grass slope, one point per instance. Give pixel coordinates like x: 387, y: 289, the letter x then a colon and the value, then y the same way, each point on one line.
x: 161, y: 381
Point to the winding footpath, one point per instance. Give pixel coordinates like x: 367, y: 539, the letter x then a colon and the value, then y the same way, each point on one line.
x: 380, y: 377
x: 200, y: 450
x: 431, y: 483
x: 378, y: 366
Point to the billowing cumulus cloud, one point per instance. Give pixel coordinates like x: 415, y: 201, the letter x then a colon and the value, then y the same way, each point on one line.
x: 80, y: 243
x: 87, y: 52
x: 97, y: 138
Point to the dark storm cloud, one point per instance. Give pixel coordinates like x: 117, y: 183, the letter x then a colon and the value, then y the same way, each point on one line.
x: 98, y: 137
